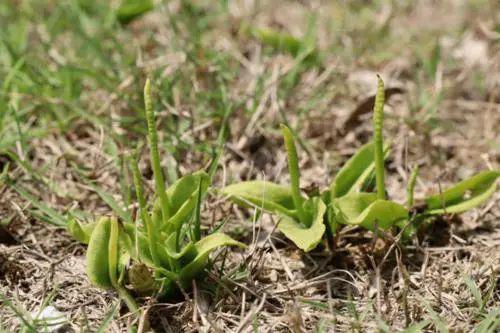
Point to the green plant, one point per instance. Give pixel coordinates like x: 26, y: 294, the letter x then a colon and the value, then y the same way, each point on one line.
x: 131, y: 9
x: 347, y: 202
x: 162, y: 250
x: 374, y: 212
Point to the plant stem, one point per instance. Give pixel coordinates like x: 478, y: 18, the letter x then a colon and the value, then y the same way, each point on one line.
x: 151, y: 232
x: 293, y: 168
x: 155, y: 156
x: 197, y: 215
x: 378, y: 119
x: 127, y: 298
x: 411, y: 187
x: 113, y: 266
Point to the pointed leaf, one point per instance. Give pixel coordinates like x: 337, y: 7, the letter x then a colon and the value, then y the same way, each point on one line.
x: 263, y: 195
x: 356, y: 172
x: 48, y: 214
x: 139, y: 252
x: 81, y: 232
x: 465, y: 195
x: 183, y: 195
x: 366, y: 210
x: 306, y: 238
x: 187, y: 250
x: 203, y: 249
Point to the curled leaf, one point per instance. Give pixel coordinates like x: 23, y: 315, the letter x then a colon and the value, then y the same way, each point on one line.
x: 366, y: 210
x: 183, y: 195
x: 356, y: 172
x: 306, y: 237
x: 97, y: 254
x: 81, y: 232
x: 465, y: 195
x: 189, y: 250
x: 203, y: 249
x: 263, y: 195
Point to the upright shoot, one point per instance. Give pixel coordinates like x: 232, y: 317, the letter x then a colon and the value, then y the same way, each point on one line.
x: 378, y: 120
x: 146, y: 218
x: 155, y: 156
x: 293, y: 166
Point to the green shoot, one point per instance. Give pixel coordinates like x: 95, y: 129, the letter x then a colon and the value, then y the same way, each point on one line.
x: 113, y: 266
x: 378, y: 120
x: 146, y: 218
x: 155, y: 155
x: 293, y: 166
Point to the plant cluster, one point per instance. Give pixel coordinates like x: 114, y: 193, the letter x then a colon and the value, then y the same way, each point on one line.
x: 163, y: 250
x: 348, y: 201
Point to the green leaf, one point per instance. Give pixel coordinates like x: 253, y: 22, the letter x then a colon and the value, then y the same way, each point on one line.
x: 81, y: 232
x: 131, y: 9
x: 97, y: 254
x: 187, y: 250
x: 306, y: 238
x: 203, y: 249
x: 490, y: 323
x: 281, y: 41
x: 183, y: 195
x: 366, y: 210
x: 465, y: 195
x: 140, y: 252
x: 263, y: 195
x: 356, y: 172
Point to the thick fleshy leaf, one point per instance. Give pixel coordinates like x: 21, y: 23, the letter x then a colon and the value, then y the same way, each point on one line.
x: 356, y: 172
x: 263, y: 195
x: 366, y: 210
x: 81, y: 232
x: 182, y: 195
x: 465, y: 195
x: 139, y: 251
x: 306, y: 237
x: 203, y: 249
x: 97, y: 254
x: 188, y: 250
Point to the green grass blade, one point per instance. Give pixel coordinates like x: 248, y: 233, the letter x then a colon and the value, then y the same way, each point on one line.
x: 103, y: 328
x: 112, y: 203
x: 19, y: 313
x: 50, y: 215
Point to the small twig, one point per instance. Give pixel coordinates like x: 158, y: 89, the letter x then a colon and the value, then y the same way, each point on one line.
x: 249, y: 316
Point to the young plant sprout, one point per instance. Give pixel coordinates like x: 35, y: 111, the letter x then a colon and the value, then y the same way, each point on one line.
x: 304, y: 220
x: 163, y: 250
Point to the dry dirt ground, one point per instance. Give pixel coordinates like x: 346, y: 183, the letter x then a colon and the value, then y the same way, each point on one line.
x: 445, y: 118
